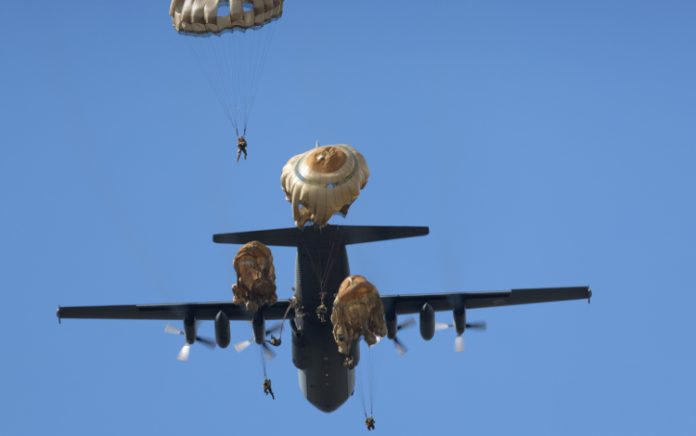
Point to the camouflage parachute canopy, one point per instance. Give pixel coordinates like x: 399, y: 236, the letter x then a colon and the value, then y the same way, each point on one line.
x: 357, y: 310
x: 255, y: 285
x: 214, y: 16
x: 323, y: 181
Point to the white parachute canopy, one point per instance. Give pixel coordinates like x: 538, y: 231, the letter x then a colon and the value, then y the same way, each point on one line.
x: 229, y: 40
x: 323, y: 181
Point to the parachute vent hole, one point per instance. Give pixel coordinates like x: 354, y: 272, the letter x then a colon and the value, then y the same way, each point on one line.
x: 248, y: 6
x: 223, y: 9
x: 330, y: 185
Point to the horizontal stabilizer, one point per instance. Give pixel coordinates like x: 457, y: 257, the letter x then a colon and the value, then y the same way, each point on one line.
x: 293, y: 237
x: 289, y: 237
x: 360, y: 234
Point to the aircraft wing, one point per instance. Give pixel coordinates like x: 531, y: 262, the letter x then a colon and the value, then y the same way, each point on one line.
x: 200, y: 311
x: 404, y: 304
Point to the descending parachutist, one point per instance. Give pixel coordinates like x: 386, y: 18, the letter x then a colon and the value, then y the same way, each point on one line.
x: 274, y: 341
x: 321, y: 313
x: 370, y: 423
x: 349, y: 362
x: 267, y: 388
x: 241, y: 147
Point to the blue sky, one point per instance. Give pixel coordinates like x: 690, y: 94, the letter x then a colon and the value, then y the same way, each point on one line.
x: 545, y: 144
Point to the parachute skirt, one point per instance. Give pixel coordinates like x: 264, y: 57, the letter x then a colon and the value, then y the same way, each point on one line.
x: 202, y: 16
x: 323, y: 181
x: 357, y: 311
x: 255, y: 285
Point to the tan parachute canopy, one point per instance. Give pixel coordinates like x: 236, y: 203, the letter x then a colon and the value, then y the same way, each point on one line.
x: 255, y: 285
x: 231, y: 64
x: 323, y: 181
x: 357, y: 310
x: 203, y: 16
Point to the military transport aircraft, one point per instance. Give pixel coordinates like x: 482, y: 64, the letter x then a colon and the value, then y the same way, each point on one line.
x: 321, y: 265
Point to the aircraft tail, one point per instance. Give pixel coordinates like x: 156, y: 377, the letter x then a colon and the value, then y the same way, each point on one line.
x: 293, y: 237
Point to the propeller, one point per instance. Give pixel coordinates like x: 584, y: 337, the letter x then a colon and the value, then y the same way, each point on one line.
x: 186, y: 349
x: 275, y: 341
x: 400, y: 347
x: 459, y: 339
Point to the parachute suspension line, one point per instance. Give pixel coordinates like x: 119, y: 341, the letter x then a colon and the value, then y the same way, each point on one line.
x: 213, y: 83
x: 285, y: 316
x: 232, y: 65
x: 267, y: 38
x: 244, y: 57
x: 316, y: 267
x: 237, y: 62
x: 321, y: 310
x: 371, y: 379
x: 263, y: 364
x: 224, y: 69
x: 361, y: 377
x: 329, y: 264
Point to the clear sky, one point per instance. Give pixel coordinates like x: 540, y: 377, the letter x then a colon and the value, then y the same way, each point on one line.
x: 545, y: 143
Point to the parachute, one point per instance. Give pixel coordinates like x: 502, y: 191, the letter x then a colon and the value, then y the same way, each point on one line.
x: 231, y: 63
x: 357, y: 310
x: 255, y: 285
x: 213, y: 16
x: 323, y: 181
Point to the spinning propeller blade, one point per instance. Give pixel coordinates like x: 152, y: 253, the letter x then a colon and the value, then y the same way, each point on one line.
x: 173, y: 330
x: 241, y: 346
x: 270, y: 354
x: 459, y: 344
x: 442, y: 326
x: 186, y: 349
x: 184, y: 353
x: 480, y: 325
x: 400, y: 348
x: 205, y: 341
x: 274, y: 329
x: 408, y: 323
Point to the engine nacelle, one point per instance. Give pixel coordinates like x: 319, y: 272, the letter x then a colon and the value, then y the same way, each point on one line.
x: 427, y: 322
x: 259, y: 326
x: 459, y: 316
x: 390, y: 320
x: 222, y: 329
x: 190, y: 329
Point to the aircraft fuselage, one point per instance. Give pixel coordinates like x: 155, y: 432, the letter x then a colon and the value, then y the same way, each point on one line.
x: 321, y: 266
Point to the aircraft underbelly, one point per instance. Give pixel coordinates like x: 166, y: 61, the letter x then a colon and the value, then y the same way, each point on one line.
x: 320, y: 267
x: 324, y: 381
